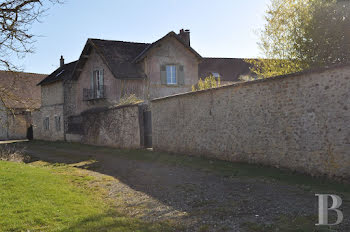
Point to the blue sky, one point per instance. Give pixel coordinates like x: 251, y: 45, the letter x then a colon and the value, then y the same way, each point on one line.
x: 221, y: 28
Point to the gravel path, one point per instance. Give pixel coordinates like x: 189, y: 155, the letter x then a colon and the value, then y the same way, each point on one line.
x: 197, y: 200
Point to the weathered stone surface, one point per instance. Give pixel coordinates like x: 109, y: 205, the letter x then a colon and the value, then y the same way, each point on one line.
x: 170, y: 51
x: 68, y: 94
x: 52, y: 94
x: 14, y: 124
x: 18, y: 124
x: 53, y: 133
x: 299, y: 122
x: 116, y: 127
x: 52, y: 106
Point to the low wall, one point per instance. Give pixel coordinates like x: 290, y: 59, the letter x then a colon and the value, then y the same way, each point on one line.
x: 298, y: 121
x: 18, y: 124
x: 116, y: 127
x: 14, y: 125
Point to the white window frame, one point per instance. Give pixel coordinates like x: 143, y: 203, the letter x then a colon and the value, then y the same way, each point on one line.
x: 171, y: 70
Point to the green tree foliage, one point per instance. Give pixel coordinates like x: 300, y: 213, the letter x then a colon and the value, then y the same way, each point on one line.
x: 301, y: 34
x: 129, y: 99
x: 208, y: 83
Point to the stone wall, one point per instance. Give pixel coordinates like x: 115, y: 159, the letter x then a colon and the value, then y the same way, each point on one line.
x: 52, y: 94
x: 3, y: 123
x: 298, y: 121
x: 18, y: 124
x: 14, y: 124
x: 52, y: 98
x: 53, y: 133
x: 170, y: 51
x: 113, y: 86
x: 116, y: 127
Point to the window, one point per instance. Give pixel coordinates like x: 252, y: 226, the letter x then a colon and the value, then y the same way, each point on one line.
x: 216, y: 75
x: 58, y: 123
x: 46, y: 123
x: 171, y: 74
x: 97, y: 83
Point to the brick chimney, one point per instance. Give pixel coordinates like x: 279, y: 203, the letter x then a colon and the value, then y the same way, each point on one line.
x: 185, y: 36
x: 61, y: 61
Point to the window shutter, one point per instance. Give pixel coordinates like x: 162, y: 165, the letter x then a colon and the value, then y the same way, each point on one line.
x: 181, y: 74
x: 92, y: 80
x: 163, y: 75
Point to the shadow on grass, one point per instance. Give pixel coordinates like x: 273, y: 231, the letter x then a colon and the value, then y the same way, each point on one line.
x: 171, y: 179
x: 70, y: 153
x: 113, y: 222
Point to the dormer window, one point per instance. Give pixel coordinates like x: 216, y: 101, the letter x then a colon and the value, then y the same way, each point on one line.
x: 216, y: 75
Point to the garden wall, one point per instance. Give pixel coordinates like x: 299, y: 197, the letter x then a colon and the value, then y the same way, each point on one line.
x: 298, y: 121
x: 119, y: 127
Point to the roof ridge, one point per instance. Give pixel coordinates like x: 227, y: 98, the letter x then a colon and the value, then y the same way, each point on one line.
x: 233, y: 58
x: 122, y: 41
x: 8, y: 71
x: 171, y: 33
x: 69, y: 63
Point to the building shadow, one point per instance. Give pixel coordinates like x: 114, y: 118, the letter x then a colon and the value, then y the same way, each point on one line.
x: 202, y: 196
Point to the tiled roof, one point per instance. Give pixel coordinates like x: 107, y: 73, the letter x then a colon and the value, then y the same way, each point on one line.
x: 230, y: 69
x: 119, y: 56
x: 122, y: 57
x: 19, y: 90
x: 62, y: 73
x: 173, y: 34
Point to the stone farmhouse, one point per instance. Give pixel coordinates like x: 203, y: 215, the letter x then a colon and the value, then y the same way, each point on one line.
x: 19, y: 98
x: 108, y: 70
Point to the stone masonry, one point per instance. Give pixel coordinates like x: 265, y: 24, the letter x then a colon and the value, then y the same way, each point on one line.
x: 116, y: 127
x: 299, y: 121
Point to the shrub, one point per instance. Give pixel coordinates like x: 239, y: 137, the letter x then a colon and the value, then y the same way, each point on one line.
x: 208, y: 83
x: 129, y: 99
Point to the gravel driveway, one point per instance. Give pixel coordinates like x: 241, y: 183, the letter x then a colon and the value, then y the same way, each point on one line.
x: 194, y: 199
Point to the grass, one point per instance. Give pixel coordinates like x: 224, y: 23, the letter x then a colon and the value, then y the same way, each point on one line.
x: 46, y: 197
x: 83, y: 207
x: 224, y: 168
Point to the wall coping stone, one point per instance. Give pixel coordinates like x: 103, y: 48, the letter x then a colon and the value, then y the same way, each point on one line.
x: 107, y: 108
x: 236, y: 84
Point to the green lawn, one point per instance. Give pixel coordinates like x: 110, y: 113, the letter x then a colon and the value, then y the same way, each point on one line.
x: 43, y: 197
x: 60, y: 197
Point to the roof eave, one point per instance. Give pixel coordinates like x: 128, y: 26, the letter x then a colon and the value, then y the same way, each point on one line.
x: 144, y: 53
x: 81, y: 60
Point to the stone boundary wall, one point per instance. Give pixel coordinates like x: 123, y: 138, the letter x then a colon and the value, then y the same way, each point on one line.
x: 14, y: 125
x: 298, y: 121
x: 118, y: 127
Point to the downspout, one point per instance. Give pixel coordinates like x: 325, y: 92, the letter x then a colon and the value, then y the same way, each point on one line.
x: 63, y: 111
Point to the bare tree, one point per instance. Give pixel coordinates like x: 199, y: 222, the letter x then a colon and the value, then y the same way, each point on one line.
x: 16, y: 19
x: 16, y: 40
